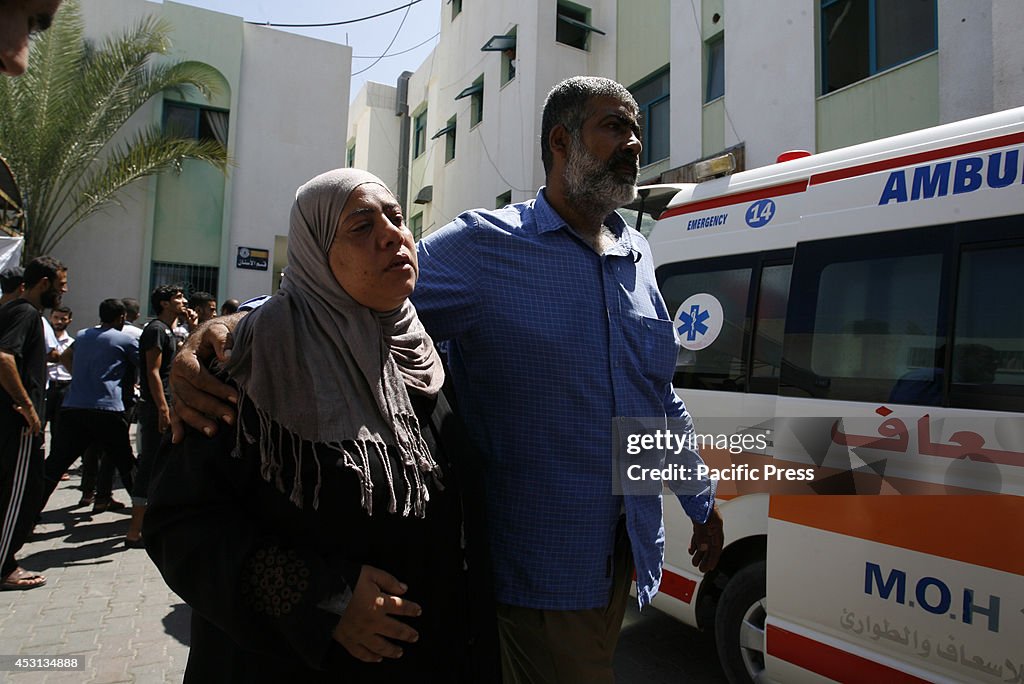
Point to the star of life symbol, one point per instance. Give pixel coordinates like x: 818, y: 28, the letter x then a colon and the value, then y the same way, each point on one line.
x: 698, y: 321
x: 693, y: 323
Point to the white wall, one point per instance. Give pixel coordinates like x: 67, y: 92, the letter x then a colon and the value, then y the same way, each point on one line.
x: 104, y: 253
x: 502, y: 152
x: 686, y: 82
x: 377, y: 131
x: 769, y: 77
x: 965, y: 59
x: 1007, y: 53
x: 292, y: 114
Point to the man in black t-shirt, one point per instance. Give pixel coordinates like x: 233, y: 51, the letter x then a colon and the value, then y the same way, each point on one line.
x: 22, y: 395
x: 157, y: 348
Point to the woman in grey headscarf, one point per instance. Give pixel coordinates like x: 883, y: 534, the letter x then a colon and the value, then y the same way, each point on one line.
x: 323, y: 537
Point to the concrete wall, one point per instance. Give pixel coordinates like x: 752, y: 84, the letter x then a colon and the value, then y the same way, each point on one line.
x: 644, y: 39
x: 1007, y: 54
x: 502, y: 152
x: 902, y: 99
x: 965, y: 43
x: 292, y: 113
x: 770, y: 77
x: 377, y: 130
x: 686, y: 80
x: 104, y: 253
x: 288, y: 102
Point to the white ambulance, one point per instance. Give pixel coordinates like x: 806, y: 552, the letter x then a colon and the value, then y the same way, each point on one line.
x: 882, y: 282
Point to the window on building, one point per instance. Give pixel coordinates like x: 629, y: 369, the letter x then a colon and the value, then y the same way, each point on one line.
x: 572, y: 25
x: 416, y: 226
x: 503, y: 200
x: 860, y: 38
x: 652, y: 96
x: 456, y: 8
x: 194, y: 121
x: 419, y: 134
x: 350, y: 155
x: 449, y: 139
x: 475, y: 93
x: 190, y: 277
x: 715, y: 68
x: 506, y: 45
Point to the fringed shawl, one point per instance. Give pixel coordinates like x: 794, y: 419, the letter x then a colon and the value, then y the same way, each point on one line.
x: 321, y: 368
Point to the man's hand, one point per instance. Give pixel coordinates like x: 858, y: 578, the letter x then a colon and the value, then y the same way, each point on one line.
x: 366, y: 625
x: 28, y: 412
x: 163, y: 419
x: 200, y: 399
x: 706, y: 543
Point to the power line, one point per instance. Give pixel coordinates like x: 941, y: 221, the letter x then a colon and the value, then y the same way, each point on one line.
x: 395, y: 54
x: 393, y: 39
x: 334, y: 23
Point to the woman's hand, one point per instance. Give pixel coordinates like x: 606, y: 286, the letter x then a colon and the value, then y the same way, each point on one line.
x: 366, y: 627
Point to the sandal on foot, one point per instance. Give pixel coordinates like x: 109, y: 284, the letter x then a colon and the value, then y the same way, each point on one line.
x: 22, y: 579
x: 88, y: 499
x: 134, y: 543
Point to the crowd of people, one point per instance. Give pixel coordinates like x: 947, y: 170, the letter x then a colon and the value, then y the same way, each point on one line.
x: 374, y: 509
x: 93, y: 387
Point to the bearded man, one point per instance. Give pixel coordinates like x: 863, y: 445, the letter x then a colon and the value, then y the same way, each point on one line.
x: 22, y: 394
x: 554, y: 326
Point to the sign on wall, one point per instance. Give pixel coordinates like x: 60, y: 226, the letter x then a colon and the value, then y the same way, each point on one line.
x: 253, y: 258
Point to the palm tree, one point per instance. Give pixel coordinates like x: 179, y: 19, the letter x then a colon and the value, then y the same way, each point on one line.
x: 58, y: 122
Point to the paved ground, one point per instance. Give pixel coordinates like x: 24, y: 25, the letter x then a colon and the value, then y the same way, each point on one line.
x: 108, y: 606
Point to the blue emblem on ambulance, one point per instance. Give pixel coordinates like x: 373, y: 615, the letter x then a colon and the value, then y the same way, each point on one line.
x: 760, y: 213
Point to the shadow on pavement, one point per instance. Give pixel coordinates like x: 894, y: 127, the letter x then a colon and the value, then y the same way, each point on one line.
x: 177, y: 622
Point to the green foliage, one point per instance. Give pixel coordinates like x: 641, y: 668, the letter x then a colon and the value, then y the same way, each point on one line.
x: 63, y: 123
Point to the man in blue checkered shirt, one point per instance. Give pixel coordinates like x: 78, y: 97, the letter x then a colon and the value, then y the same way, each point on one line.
x: 554, y: 326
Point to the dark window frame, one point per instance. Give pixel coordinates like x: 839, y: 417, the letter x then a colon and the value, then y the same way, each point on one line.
x: 645, y: 113
x: 872, y: 46
x: 190, y: 277
x: 572, y: 25
x: 809, y: 259
x: 416, y: 230
x: 419, y: 134
x: 709, y: 46
x: 952, y: 241
x: 198, y: 126
x: 756, y: 262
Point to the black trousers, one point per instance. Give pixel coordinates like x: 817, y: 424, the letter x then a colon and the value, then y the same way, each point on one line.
x: 21, y: 483
x: 54, y: 400
x: 77, y: 429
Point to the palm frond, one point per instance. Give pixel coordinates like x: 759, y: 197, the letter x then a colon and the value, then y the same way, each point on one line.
x: 59, y: 121
x: 148, y: 152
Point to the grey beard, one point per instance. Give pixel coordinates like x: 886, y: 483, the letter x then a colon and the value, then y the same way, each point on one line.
x: 592, y: 187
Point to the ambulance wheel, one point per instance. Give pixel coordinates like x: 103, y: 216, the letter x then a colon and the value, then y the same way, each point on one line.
x: 739, y: 625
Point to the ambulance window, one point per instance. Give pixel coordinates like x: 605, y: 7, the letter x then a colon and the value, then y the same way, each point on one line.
x: 988, y: 347
x: 721, y: 365
x: 868, y: 320
x: 769, y: 328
